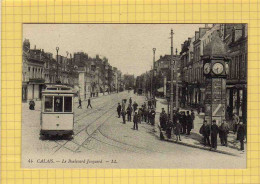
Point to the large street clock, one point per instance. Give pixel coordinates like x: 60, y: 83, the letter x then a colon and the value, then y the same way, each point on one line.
x: 206, y: 68
x: 218, y: 68
x: 215, y: 68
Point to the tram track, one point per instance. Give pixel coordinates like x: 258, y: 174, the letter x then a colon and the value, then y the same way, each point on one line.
x: 90, y: 136
x: 124, y: 146
x: 85, y: 127
x: 78, y: 132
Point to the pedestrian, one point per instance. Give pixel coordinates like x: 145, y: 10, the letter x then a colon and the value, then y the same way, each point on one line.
x: 79, y: 104
x: 152, y: 116
x: 89, y: 103
x: 135, y: 120
x: 119, y: 110
x: 145, y: 106
x: 235, y: 122
x: 174, y: 118
x: 140, y: 114
x: 188, y: 122
x: 149, y: 116
x: 223, y: 133
x: 129, y: 112
x: 123, y: 113
x: 135, y: 105
x: 130, y: 100
x: 177, y: 130
x: 182, y: 119
x: 123, y: 105
x: 241, y: 133
x: 168, y: 129
x: 193, y: 118
x: 31, y: 105
x: 145, y: 113
x: 149, y: 104
x: 205, y: 131
x: 214, y: 134
x: 163, y: 119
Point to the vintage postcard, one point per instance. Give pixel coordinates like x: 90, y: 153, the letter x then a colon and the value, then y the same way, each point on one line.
x: 134, y: 96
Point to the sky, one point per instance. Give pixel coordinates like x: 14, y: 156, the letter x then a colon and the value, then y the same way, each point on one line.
x: 129, y: 47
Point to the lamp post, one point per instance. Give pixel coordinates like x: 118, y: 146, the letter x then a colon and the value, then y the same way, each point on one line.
x: 171, y: 90
x: 57, y: 49
x: 98, y: 81
x: 152, y: 93
x: 177, y: 86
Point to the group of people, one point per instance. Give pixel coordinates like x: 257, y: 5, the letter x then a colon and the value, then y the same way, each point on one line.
x: 212, y: 131
x: 143, y: 113
x: 182, y: 123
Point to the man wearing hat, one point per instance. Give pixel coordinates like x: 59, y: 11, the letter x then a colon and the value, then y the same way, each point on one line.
x: 163, y: 119
x: 214, y: 134
x: 152, y: 116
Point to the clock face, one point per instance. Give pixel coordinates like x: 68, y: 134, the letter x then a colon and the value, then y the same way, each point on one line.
x: 206, y: 68
x: 218, y: 68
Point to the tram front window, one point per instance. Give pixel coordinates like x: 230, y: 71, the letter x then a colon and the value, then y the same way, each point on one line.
x: 67, y: 104
x: 48, y: 104
x: 58, y: 104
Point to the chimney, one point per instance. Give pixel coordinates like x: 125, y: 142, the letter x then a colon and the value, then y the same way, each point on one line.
x: 34, y: 47
x: 160, y: 56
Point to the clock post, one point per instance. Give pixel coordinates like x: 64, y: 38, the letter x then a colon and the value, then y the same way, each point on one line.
x: 215, y: 69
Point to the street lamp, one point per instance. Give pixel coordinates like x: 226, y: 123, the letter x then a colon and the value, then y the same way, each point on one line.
x: 177, y: 86
x: 171, y: 90
x: 152, y: 94
x: 57, y: 49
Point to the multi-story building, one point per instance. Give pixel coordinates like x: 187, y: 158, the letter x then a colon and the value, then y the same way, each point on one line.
x: 50, y: 67
x: 33, y: 72
x: 89, y: 76
x: 235, y: 38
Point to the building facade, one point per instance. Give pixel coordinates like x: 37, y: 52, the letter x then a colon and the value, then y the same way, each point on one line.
x: 235, y: 38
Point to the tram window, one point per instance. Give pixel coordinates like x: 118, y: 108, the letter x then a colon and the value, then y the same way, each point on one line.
x: 48, y: 104
x: 58, y: 104
x: 67, y: 104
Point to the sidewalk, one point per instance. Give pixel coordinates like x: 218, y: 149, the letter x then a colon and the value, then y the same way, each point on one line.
x: 195, y: 139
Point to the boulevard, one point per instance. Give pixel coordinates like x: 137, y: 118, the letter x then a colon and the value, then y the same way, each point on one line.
x: 99, y: 133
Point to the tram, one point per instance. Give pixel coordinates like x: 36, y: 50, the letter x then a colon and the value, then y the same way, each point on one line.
x: 57, y: 113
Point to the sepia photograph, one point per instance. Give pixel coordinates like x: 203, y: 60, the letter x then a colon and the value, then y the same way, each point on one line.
x: 134, y: 96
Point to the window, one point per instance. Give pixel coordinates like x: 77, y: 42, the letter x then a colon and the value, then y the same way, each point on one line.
x: 67, y: 104
x: 58, y: 102
x: 48, y: 104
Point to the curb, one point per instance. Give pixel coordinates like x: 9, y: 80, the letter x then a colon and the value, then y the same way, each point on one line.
x: 195, y: 146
